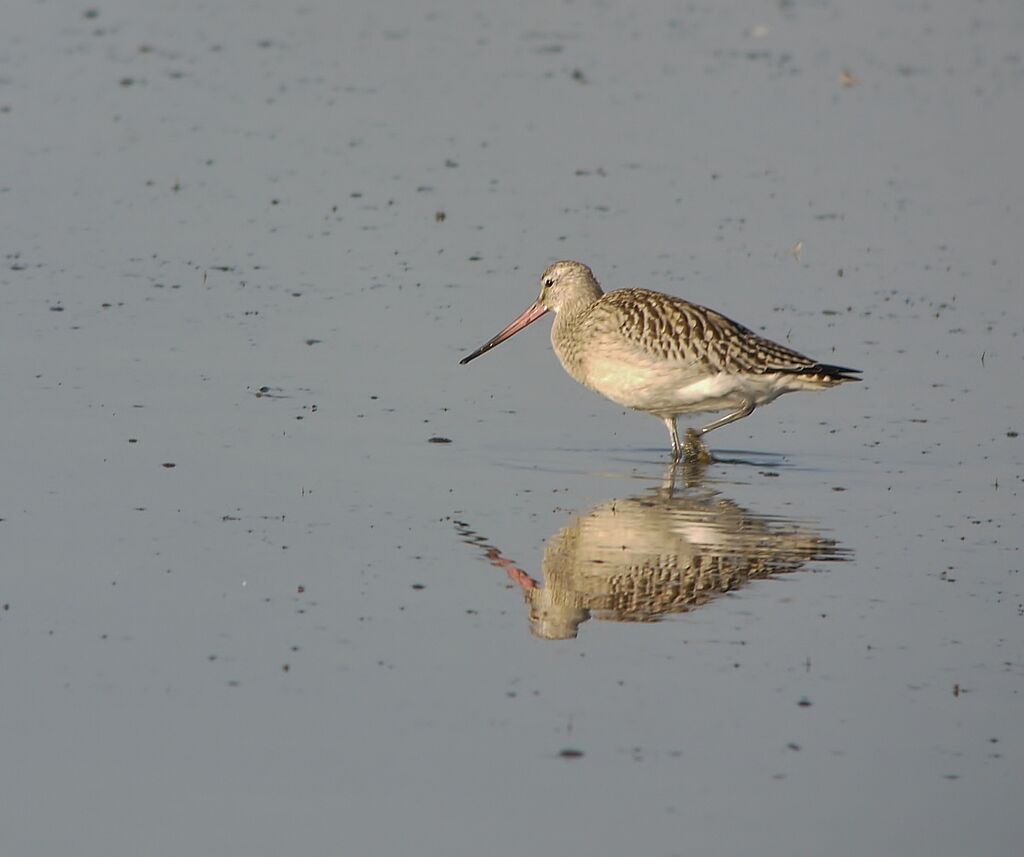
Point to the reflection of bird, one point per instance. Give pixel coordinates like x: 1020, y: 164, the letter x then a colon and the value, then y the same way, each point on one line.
x: 662, y: 355
x: 642, y: 558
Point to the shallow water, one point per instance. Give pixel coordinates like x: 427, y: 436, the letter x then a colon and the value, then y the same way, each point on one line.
x: 253, y: 604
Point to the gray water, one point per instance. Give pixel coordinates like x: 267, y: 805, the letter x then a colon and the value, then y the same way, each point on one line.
x: 253, y: 604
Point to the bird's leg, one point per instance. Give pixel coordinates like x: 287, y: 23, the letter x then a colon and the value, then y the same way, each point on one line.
x: 745, y: 411
x: 694, y: 446
x: 695, y: 449
x: 677, y: 448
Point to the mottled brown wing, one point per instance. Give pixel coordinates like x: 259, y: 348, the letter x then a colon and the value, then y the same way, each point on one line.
x: 660, y: 327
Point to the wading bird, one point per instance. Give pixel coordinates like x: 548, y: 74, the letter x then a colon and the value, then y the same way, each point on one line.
x: 665, y: 356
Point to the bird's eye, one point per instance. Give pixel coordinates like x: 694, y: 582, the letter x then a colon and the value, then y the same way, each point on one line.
x: 549, y: 282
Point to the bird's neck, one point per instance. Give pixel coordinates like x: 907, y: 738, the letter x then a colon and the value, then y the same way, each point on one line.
x: 583, y: 296
x: 565, y: 332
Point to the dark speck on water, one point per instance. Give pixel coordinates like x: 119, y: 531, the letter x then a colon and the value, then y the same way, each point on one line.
x: 571, y: 753
x: 437, y: 439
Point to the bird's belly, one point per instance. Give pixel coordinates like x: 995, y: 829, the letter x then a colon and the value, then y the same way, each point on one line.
x: 671, y: 390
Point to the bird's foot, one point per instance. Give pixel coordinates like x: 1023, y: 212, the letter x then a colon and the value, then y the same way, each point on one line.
x: 694, y: 448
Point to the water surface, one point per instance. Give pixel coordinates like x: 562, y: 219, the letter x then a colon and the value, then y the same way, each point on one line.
x: 248, y: 607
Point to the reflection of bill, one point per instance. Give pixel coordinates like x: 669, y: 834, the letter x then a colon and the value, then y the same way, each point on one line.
x: 642, y: 558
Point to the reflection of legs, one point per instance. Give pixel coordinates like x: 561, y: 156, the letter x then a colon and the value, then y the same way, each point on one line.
x: 668, y: 479
x: 677, y: 449
x: 692, y: 475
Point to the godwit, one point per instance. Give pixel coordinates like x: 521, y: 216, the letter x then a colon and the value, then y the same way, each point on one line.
x: 664, y: 356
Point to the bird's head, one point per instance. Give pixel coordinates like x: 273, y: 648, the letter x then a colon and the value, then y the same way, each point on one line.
x: 565, y: 283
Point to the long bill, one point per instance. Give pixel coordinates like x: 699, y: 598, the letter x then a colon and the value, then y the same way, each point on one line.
x: 533, y: 312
